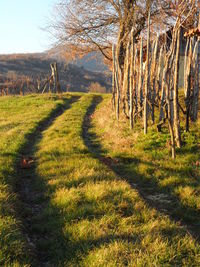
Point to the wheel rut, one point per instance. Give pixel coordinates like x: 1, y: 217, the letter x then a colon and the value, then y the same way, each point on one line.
x: 32, y: 200
x: 162, y: 202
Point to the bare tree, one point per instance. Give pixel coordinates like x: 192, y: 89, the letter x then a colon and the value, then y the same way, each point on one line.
x: 81, y: 26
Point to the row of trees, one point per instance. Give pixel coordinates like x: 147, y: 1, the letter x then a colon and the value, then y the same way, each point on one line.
x: 16, y: 84
x: 151, y: 81
x: 145, y: 67
x: 21, y: 84
x: 82, y: 26
x: 13, y: 83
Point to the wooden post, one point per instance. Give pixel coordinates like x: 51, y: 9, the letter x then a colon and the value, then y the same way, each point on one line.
x: 187, y: 86
x: 131, y: 80
x: 169, y: 59
x: 126, y: 78
x: 159, y: 73
x: 153, y: 75
x: 53, y: 77
x: 140, y: 80
x: 146, y: 83
x: 117, y: 86
x: 113, y: 78
x: 170, y: 124
x: 194, y: 80
x: 58, y: 87
x: 176, y: 87
x: 163, y: 91
x: 50, y: 84
x: 166, y: 87
x: 197, y: 84
x: 135, y: 86
x: 185, y: 64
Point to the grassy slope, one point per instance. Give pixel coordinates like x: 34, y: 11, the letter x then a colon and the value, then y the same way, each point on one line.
x: 91, y: 216
x: 18, y: 118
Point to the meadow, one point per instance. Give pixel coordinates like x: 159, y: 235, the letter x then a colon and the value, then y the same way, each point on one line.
x: 96, y: 194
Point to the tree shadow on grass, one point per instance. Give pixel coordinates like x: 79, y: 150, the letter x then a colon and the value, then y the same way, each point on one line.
x: 52, y: 231
x: 48, y: 242
x: 156, y: 196
x: 30, y: 189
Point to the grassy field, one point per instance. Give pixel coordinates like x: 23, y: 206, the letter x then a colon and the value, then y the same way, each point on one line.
x: 19, y: 118
x: 81, y: 203
x: 172, y: 185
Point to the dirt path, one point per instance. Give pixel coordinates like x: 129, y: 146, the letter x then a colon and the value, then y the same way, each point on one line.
x: 28, y: 188
x: 162, y: 202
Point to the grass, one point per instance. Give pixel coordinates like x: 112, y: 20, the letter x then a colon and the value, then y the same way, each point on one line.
x: 19, y: 118
x: 146, y: 161
x: 80, y: 212
x: 91, y: 217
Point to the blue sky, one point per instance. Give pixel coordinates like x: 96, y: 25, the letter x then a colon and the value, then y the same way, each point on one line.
x: 20, y: 23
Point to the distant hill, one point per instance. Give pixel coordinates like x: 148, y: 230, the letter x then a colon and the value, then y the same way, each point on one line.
x: 93, y: 62
x: 73, y: 77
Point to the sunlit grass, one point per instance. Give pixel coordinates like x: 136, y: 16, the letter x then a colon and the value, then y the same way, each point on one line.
x: 87, y: 215
x: 149, y: 161
x: 19, y: 116
x: 94, y: 218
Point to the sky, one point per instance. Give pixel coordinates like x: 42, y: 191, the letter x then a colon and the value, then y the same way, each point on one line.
x: 20, y: 25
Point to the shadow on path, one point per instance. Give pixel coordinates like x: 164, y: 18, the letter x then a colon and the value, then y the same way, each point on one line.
x: 153, y: 195
x: 31, y: 191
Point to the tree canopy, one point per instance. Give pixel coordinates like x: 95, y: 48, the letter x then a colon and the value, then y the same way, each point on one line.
x: 92, y: 25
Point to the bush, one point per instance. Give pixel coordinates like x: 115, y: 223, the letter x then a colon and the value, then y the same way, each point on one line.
x: 95, y: 87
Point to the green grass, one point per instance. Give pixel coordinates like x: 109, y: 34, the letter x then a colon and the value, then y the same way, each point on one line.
x: 91, y: 216
x: 19, y: 118
x: 146, y: 161
x: 80, y: 212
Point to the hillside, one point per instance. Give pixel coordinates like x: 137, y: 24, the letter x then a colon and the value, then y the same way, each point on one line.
x: 36, y: 68
x: 93, y: 62
x: 79, y: 189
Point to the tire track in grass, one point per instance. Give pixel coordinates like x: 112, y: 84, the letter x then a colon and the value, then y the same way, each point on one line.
x: 94, y: 146
x: 58, y: 165
x: 164, y: 202
x: 30, y: 196
x: 19, y: 116
x: 90, y: 216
